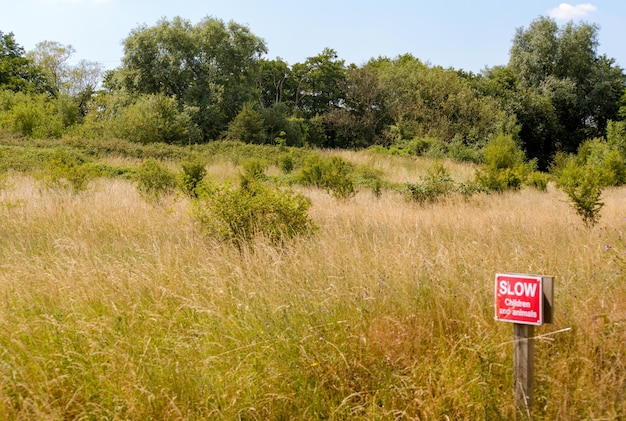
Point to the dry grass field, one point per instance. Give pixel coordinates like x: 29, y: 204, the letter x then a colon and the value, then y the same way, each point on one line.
x: 116, y: 308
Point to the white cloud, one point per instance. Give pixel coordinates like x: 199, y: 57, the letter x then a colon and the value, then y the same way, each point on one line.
x: 566, y: 11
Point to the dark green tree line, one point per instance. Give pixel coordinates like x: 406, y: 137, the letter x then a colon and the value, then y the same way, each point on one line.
x: 184, y: 83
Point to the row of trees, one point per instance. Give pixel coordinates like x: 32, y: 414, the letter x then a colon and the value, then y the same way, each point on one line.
x: 185, y: 83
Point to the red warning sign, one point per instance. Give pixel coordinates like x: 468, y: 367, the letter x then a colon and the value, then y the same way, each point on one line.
x: 519, y: 299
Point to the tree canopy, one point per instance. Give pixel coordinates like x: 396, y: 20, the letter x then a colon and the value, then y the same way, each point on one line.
x: 211, y: 65
x: 17, y: 72
x: 204, y: 81
x: 564, y: 83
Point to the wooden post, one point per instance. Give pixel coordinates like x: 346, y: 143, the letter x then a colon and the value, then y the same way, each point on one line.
x: 523, y: 368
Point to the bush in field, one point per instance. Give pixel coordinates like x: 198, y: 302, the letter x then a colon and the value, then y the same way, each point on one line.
x: 605, y: 159
x: 253, y: 209
x: 333, y: 174
x: 67, y: 169
x: 583, y: 186
x: 156, y: 118
x: 370, y: 178
x: 434, y: 186
x: 154, y: 180
x: 247, y: 126
x: 505, y: 166
x: 538, y: 180
x: 253, y: 170
x: 191, y: 177
x: 35, y: 116
x: 598, y: 163
x: 285, y: 163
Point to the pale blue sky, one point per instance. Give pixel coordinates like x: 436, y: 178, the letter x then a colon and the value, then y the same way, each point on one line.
x: 468, y: 35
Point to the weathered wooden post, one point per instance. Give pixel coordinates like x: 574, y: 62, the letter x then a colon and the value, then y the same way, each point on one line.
x: 527, y: 301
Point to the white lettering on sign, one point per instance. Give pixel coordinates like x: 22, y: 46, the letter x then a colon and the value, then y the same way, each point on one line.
x: 516, y: 303
x: 518, y: 298
x: 520, y: 289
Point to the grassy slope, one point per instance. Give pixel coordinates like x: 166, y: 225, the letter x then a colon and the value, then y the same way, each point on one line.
x: 115, y: 308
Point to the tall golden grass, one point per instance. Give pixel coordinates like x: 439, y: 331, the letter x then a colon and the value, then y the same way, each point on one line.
x: 115, y: 308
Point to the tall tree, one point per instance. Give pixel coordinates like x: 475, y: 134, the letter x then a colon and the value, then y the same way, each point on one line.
x: 52, y: 57
x: 212, y: 65
x: 561, y: 64
x: 274, y: 78
x: 319, y: 83
x: 361, y: 121
x: 17, y: 72
x: 436, y: 102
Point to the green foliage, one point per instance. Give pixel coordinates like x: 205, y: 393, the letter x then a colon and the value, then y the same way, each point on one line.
x: 247, y: 126
x: 253, y: 170
x: 31, y: 115
x: 616, y: 134
x: 499, y: 180
x: 320, y: 80
x: 280, y: 127
x: 210, y: 65
x: 238, y: 215
x: 538, y: 180
x: 425, y: 101
x: 606, y: 158
x: 370, y: 178
x: 285, y: 163
x: 155, y: 118
x: 434, y: 186
x: 154, y: 180
x: 582, y: 184
x: 191, y: 177
x: 567, y: 92
x: 505, y: 168
x: 598, y: 164
x: 503, y: 152
x: 67, y: 169
x: 333, y: 174
x: 17, y: 72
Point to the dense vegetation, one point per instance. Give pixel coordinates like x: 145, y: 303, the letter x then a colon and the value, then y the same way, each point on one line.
x: 185, y: 83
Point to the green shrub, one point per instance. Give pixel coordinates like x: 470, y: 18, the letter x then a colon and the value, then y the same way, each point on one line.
x: 505, y: 167
x: 503, y: 152
x: 537, y: 180
x: 370, y: 178
x: 154, y: 180
x: 605, y: 158
x: 333, y: 174
x: 191, y: 177
x: 238, y: 215
x: 253, y: 170
x: 434, y: 186
x: 247, y: 126
x: 67, y: 169
x: 34, y: 116
x: 582, y: 184
x: 460, y: 150
x: 498, y: 180
x: 155, y: 118
x: 585, y: 198
x: 285, y: 163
